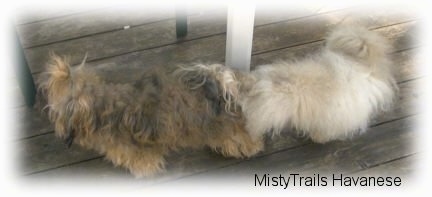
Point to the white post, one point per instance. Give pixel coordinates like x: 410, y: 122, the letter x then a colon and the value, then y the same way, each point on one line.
x: 239, y: 36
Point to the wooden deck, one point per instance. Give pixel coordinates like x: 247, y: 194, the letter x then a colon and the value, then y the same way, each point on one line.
x: 280, y: 33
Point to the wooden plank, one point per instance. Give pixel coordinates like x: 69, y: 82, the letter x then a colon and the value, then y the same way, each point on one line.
x: 110, y: 19
x: 295, y: 32
x: 186, y: 53
x: 102, y: 20
x: 409, y: 97
x: 211, y: 49
x: 30, y: 122
x: 141, y: 40
x: 97, y: 168
x: 88, y: 23
x: 180, y: 164
x: 268, y: 14
x: 401, y: 37
x: 383, y: 143
x: 409, y: 37
x: 263, y: 16
x: 404, y: 167
x: 114, y: 43
x: 46, y: 152
x: 403, y: 60
x: 34, y: 14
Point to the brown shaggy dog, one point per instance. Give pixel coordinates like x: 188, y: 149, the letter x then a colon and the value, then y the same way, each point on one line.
x: 135, y: 126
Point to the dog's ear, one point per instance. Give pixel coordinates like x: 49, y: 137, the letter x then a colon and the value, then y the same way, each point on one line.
x: 211, y: 92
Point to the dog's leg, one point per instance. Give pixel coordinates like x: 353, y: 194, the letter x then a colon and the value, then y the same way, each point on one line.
x: 232, y: 140
x: 239, y: 145
x: 139, y: 160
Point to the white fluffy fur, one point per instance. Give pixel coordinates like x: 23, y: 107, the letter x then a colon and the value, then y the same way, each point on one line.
x: 329, y: 96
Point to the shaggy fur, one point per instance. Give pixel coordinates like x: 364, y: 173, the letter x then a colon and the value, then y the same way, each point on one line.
x: 327, y: 96
x: 135, y: 126
x: 330, y: 95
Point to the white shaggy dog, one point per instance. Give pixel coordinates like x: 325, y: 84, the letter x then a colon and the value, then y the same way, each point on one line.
x: 330, y: 95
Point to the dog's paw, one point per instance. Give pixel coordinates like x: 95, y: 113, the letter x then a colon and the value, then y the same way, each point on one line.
x: 146, y: 167
x: 140, y: 161
x: 240, y: 147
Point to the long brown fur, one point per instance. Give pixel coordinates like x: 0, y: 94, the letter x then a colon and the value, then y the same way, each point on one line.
x: 137, y: 125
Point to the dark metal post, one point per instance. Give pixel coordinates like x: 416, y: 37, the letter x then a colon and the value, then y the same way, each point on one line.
x: 181, y: 21
x: 25, y: 78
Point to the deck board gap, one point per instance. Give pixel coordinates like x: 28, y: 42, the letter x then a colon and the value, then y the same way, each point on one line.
x: 60, y: 16
x: 393, y: 120
x: 412, y: 79
x: 61, y: 166
x: 367, y: 167
x: 34, y: 136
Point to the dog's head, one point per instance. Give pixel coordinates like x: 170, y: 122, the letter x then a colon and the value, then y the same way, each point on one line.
x: 66, y: 91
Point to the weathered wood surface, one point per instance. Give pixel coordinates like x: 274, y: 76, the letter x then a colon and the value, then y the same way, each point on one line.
x: 137, y: 37
x: 46, y: 152
x: 43, y: 155
x: 101, y: 21
x: 406, y: 67
x: 31, y: 123
x: 135, y: 43
x: 381, y: 144
x: 115, y: 18
x: 90, y: 23
x: 211, y: 50
x: 36, y: 14
x: 404, y: 167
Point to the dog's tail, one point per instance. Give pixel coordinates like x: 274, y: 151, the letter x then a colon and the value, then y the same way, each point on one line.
x: 359, y: 43
x: 216, y: 79
x: 368, y: 47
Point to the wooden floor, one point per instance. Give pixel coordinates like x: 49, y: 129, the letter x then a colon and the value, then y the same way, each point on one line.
x: 280, y: 33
